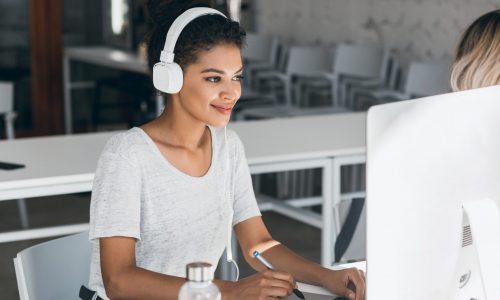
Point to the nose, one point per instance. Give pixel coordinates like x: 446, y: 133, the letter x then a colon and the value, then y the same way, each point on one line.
x: 231, y: 91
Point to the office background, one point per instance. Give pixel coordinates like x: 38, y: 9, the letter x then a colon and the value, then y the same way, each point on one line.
x: 418, y: 29
x: 423, y: 30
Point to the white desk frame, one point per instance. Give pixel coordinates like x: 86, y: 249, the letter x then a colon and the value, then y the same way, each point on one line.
x: 101, y: 56
x: 76, y: 175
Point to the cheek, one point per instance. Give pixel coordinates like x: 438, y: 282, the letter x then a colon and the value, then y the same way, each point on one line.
x: 197, y: 97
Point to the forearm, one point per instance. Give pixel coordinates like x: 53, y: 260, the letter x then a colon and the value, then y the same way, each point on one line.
x: 284, y: 259
x: 138, y: 283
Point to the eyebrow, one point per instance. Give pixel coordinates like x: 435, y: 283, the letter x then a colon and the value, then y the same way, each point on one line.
x: 209, y: 70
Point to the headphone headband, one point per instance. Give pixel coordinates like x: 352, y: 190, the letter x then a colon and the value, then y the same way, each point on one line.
x: 167, y: 55
x: 167, y: 75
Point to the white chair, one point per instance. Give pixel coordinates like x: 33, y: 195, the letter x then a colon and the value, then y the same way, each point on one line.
x: 55, y: 269
x: 302, y: 62
x: 388, y: 79
x: 353, y: 63
x: 7, y: 110
x: 260, y: 48
x: 423, y: 79
x: 259, y: 54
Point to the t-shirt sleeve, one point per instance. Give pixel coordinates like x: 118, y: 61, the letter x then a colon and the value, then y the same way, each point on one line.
x: 244, y: 202
x: 115, y: 207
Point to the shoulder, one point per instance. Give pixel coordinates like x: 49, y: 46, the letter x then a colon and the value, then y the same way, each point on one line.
x: 125, y: 144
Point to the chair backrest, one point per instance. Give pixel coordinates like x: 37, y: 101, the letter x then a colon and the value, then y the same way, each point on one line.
x: 308, y: 61
x: 282, y: 52
x: 391, y: 71
x: 260, y: 48
x: 55, y: 269
x: 427, y: 79
x: 358, y: 61
x: 6, y: 97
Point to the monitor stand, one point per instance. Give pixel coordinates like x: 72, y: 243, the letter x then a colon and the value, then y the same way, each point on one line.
x: 478, y: 269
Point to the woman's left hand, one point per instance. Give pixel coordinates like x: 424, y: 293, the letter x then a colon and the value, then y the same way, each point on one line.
x: 348, y: 283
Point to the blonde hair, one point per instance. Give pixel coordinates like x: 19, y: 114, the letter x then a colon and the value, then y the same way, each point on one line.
x: 477, y: 60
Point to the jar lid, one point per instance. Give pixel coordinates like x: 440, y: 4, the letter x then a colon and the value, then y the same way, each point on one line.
x: 199, y: 272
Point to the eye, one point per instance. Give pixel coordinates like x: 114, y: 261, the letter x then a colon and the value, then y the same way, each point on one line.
x: 213, y: 79
x: 238, y: 78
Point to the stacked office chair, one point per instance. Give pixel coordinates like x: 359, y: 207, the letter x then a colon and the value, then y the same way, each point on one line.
x: 55, y: 269
x: 9, y: 115
x: 351, y: 64
x: 422, y: 79
x: 263, y: 79
x: 302, y: 63
x: 260, y: 54
x: 390, y: 78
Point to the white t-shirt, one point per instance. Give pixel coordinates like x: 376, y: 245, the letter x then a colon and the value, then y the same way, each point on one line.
x: 176, y: 218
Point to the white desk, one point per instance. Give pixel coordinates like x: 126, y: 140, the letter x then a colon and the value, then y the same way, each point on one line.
x: 65, y: 164
x: 285, y: 111
x: 101, y: 56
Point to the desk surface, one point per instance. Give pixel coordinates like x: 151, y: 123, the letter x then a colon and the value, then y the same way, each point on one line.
x: 73, y: 158
x: 108, y: 57
x: 302, y: 137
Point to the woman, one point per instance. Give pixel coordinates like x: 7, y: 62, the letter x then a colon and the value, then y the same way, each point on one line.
x: 477, y: 60
x: 165, y: 194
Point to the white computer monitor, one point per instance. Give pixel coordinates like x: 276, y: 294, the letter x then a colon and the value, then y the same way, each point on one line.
x: 427, y: 159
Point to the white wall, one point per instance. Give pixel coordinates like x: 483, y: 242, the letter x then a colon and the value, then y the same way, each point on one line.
x: 304, y: 21
x: 420, y: 29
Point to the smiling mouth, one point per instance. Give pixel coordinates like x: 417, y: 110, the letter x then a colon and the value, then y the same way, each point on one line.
x: 223, y: 110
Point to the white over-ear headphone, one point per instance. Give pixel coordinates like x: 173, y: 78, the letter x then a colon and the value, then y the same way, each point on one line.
x: 167, y: 75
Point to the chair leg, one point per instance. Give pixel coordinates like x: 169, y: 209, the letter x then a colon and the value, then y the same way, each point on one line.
x: 23, y: 213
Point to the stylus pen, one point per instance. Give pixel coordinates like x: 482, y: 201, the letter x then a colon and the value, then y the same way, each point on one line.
x: 268, y: 265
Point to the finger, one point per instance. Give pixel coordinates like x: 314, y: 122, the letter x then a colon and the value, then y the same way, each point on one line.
x: 359, y: 285
x: 283, y: 276
x: 267, y: 282
x: 275, y: 292
x: 344, y: 291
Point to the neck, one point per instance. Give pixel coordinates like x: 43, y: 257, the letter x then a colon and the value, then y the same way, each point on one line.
x: 181, y: 129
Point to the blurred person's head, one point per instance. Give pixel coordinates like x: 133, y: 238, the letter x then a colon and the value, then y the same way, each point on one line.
x: 477, y: 60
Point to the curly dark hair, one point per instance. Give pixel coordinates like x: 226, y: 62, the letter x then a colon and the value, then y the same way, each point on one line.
x: 203, y: 33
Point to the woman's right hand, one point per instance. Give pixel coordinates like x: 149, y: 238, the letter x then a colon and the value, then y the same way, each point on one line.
x: 263, y: 285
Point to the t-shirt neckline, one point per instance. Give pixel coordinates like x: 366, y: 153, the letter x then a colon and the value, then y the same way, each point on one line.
x: 180, y: 173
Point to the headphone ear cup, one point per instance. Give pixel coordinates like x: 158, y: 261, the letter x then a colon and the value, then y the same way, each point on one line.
x: 167, y: 77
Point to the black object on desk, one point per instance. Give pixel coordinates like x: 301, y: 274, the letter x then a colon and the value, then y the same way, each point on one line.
x: 10, y: 166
